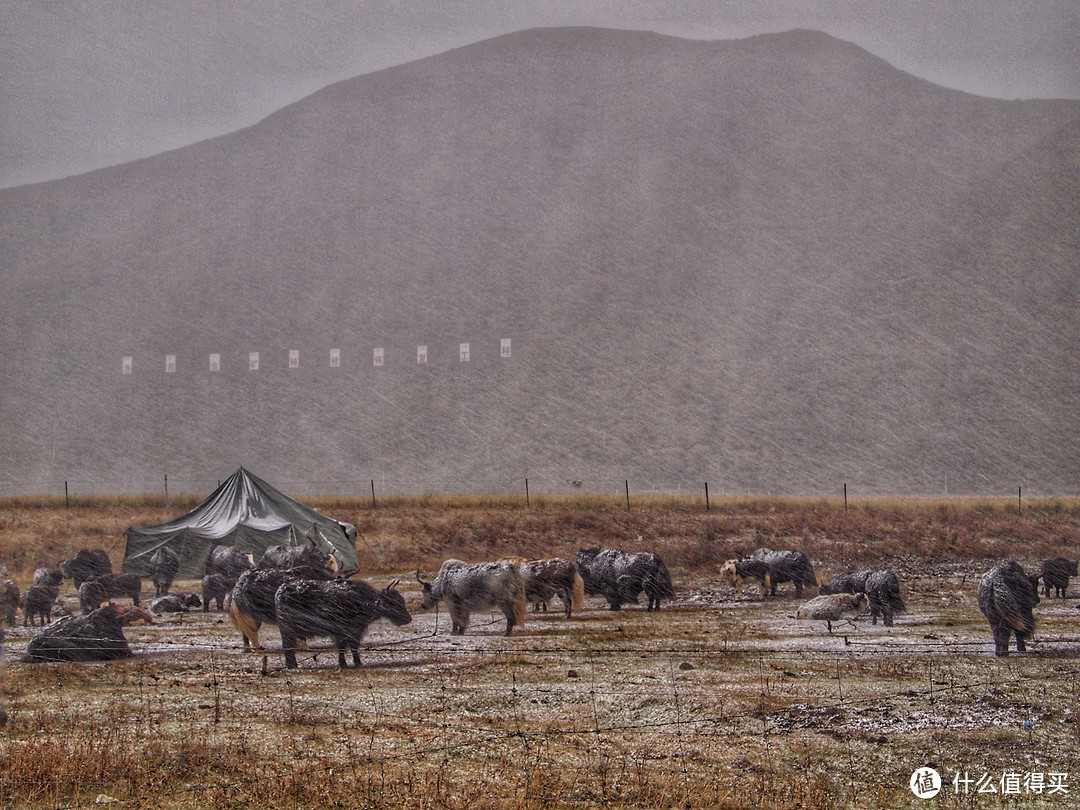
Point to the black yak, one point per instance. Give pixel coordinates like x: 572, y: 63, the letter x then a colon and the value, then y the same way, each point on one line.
x: 740, y: 572
x: 297, y: 557
x: 251, y: 601
x: 479, y: 586
x: 48, y: 576
x: 1055, y: 574
x: 98, y: 636
x: 215, y: 588
x: 229, y: 561
x: 341, y: 608
x: 619, y: 576
x: 787, y: 566
x: 175, y: 603
x: 87, y: 562
x: 38, y: 601
x: 883, y: 591
x: 110, y: 586
x: 1007, y: 594
x: 164, y: 563
x: 546, y: 579
x: 833, y: 607
x: 847, y: 582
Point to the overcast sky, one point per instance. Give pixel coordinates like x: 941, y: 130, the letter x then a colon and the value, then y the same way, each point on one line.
x: 90, y: 83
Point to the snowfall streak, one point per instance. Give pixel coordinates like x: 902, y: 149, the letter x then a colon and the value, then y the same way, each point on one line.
x: 378, y: 355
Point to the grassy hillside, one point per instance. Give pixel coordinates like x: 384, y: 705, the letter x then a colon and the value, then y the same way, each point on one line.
x: 775, y: 264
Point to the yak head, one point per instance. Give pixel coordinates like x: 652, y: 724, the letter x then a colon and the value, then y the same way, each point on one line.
x: 429, y: 601
x: 393, y: 605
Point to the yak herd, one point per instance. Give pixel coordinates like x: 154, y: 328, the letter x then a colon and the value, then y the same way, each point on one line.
x: 301, y: 590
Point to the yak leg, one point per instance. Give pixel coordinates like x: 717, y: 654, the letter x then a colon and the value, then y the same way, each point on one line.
x: 1019, y: 641
x: 508, y: 612
x: 459, y: 619
x: 1001, y: 639
x: 288, y: 646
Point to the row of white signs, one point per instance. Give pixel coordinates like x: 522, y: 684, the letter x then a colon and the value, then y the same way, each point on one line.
x: 378, y: 358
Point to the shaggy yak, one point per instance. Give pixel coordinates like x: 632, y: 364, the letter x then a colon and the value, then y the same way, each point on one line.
x: 229, y: 561
x: 297, y: 557
x: 98, y: 636
x: 787, y: 566
x: 164, y: 563
x: 833, y: 607
x: 619, y: 576
x: 740, y: 572
x: 87, y: 562
x: 175, y: 603
x: 1007, y: 595
x: 251, y: 602
x: 96, y: 590
x: 546, y: 579
x: 466, y: 588
x: 883, y: 591
x: 215, y: 588
x: 1055, y: 574
x: 38, y: 601
x: 340, y: 608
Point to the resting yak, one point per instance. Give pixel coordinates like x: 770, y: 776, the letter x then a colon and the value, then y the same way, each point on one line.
x: 98, y: 636
x: 341, y: 608
x: 619, y: 576
x: 480, y: 586
x: 1007, y: 594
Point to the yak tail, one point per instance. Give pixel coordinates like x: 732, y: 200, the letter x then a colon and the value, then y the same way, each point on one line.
x: 768, y: 582
x: 577, y: 598
x: 245, y: 623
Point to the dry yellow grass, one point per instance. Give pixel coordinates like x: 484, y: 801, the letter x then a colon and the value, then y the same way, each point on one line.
x: 711, y: 702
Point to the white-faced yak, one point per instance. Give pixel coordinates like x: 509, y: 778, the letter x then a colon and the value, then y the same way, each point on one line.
x: 469, y: 587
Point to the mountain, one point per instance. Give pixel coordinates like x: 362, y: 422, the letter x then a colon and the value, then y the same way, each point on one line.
x: 773, y: 265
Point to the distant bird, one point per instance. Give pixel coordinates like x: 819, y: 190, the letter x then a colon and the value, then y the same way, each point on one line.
x: 833, y: 607
x: 576, y: 484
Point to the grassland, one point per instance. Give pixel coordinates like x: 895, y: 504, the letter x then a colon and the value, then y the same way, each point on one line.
x: 712, y: 702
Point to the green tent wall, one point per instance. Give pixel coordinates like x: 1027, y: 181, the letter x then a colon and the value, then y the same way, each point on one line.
x: 244, y: 511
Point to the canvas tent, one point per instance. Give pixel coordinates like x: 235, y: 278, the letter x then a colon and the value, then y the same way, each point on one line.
x: 244, y: 511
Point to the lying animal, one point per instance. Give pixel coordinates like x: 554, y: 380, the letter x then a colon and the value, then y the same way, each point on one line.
x: 175, y: 603
x: 97, y: 636
x: 740, y: 572
x: 833, y: 607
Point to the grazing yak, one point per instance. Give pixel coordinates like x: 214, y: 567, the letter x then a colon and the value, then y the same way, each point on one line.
x: 251, y: 601
x: 847, y: 582
x: 9, y: 600
x: 340, y: 608
x: 99, y: 589
x: 619, y: 576
x: 98, y: 636
x: 740, y: 572
x: 833, y: 607
x: 883, y: 591
x: 38, y: 601
x: 164, y: 563
x: 466, y: 588
x: 1007, y: 594
x: 787, y: 566
x: 546, y: 579
x: 1055, y: 574
x: 87, y: 562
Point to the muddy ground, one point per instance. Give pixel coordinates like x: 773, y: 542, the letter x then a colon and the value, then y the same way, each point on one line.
x: 710, y: 702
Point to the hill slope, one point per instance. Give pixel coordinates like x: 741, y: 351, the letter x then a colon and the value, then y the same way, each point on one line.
x: 774, y: 264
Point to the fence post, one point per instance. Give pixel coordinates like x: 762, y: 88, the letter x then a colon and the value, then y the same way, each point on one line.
x: 845, y: 497
x: 706, y: 496
x: 627, y: 483
x: 1019, y: 500
x: 526, y: 492
x: 67, y: 503
x: 166, y: 491
x: 373, y: 504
